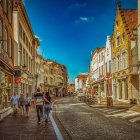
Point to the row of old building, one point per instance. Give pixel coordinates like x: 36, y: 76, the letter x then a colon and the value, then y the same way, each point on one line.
x: 114, y: 68
x: 22, y: 70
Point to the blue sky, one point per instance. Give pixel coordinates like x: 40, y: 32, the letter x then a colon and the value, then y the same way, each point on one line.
x: 70, y: 29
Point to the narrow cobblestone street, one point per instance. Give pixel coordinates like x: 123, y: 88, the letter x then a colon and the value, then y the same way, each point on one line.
x: 21, y: 128
x: 86, y: 123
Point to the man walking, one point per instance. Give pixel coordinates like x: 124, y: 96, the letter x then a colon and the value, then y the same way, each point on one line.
x: 38, y: 96
x: 14, y: 102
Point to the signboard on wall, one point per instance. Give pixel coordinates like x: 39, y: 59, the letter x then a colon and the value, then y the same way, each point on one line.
x: 17, y: 79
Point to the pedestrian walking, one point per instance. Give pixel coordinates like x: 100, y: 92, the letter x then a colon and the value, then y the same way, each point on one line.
x: 47, y: 105
x: 27, y: 104
x: 38, y: 98
x: 14, y: 102
x: 22, y: 104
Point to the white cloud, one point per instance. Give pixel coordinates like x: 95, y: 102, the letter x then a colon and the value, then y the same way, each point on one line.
x: 84, y: 19
x: 38, y: 38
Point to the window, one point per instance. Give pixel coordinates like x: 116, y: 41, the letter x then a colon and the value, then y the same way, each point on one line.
x: 0, y: 34
x: 106, y: 70
x: 118, y: 62
x: 102, y: 56
x: 31, y: 49
x: 10, y: 14
x: 6, y: 40
x: 21, y: 63
x: 124, y: 59
x: 20, y: 30
x: 5, y: 5
x: 118, y: 41
x: 102, y: 70
x: 107, y: 52
x: 109, y: 66
x: 123, y: 36
x: 113, y: 65
x: 117, y: 23
x: 24, y: 36
x: 99, y: 71
x: 27, y: 60
x: 24, y: 57
x: 10, y: 47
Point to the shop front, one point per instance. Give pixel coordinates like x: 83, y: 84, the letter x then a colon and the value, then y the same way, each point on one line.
x: 6, y: 89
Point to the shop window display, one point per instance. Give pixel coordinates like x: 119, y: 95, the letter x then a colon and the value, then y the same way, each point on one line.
x: 5, y: 89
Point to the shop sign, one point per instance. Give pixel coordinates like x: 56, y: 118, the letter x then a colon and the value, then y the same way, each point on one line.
x: 107, y: 75
x: 17, y: 79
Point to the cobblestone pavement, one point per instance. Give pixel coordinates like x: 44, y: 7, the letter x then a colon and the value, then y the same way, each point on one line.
x: 85, y: 123
x: 123, y: 113
x: 21, y: 128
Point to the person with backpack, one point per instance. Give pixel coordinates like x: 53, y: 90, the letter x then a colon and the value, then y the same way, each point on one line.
x: 38, y: 99
x: 47, y: 105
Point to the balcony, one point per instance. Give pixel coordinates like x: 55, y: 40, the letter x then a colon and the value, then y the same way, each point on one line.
x: 5, y: 58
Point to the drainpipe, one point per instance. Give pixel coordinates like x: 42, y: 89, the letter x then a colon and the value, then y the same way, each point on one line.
x: 139, y: 47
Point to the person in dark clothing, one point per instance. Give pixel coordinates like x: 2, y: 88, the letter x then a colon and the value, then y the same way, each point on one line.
x: 38, y: 96
x: 47, y: 105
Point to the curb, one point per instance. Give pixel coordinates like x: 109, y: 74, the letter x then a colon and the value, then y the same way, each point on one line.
x: 56, y: 129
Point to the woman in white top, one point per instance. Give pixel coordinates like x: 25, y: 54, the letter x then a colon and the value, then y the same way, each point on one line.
x: 27, y: 104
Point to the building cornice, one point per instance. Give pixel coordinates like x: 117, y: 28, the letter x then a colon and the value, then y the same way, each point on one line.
x: 18, y: 5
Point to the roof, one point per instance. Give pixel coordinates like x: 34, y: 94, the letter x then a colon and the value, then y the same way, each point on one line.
x: 130, y: 20
x: 82, y: 76
x: 103, y: 47
x: 95, y: 50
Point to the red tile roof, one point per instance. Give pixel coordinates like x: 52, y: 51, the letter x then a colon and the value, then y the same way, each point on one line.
x: 130, y: 17
x: 82, y: 76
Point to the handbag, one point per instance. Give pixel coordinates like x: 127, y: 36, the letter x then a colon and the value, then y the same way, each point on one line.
x: 48, y: 106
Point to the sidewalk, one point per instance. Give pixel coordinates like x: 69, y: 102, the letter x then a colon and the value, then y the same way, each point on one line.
x: 116, y: 105
x: 21, y: 128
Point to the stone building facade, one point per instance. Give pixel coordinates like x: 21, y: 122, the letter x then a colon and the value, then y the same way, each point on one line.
x: 25, y: 49
x: 80, y: 82
x: 124, y: 55
x: 57, y: 78
x: 6, y: 54
x: 51, y: 76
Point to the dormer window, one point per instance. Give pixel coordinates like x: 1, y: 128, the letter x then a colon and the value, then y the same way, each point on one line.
x: 117, y: 23
x: 123, y: 36
x: 118, y: 41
